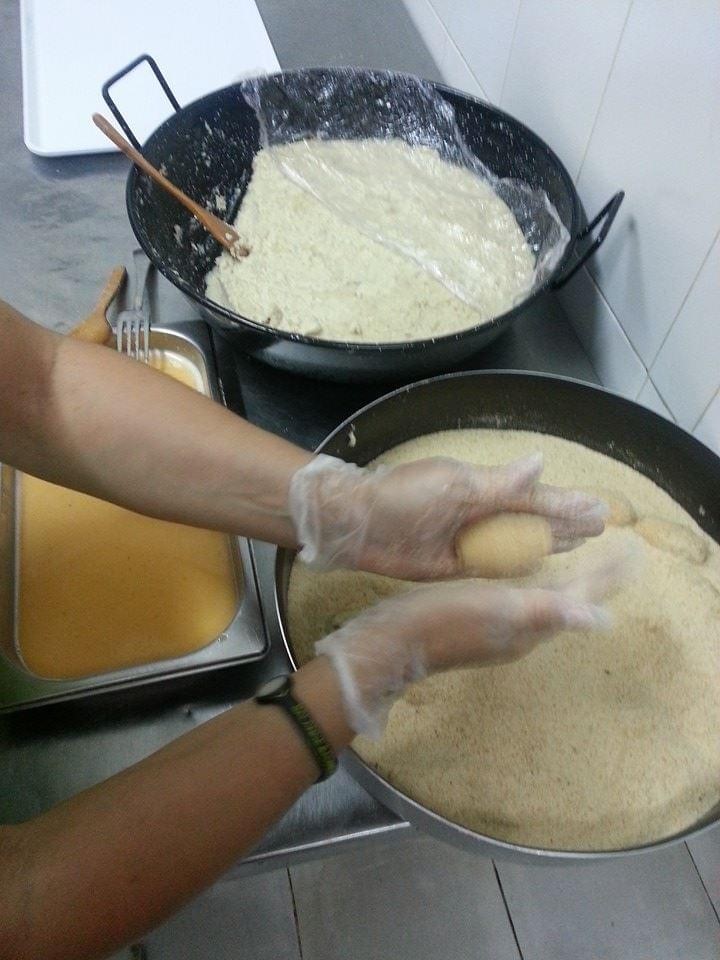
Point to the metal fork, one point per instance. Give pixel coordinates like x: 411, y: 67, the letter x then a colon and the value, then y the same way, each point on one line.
x: 132, y: 327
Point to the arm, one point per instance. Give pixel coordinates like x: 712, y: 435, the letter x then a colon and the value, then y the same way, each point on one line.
x: 86, y: 417
x: 102, y: 868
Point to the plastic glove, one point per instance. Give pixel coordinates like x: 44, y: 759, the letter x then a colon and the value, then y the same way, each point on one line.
x: 402, y: 521
x: 430, y: 629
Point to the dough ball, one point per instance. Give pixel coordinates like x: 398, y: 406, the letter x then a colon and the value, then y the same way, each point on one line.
x: 505, y: 545
x: 622, y: 512
x: 673, y: 538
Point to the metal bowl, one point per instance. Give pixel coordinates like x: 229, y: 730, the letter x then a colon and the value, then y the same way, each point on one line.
x: 507, y: 400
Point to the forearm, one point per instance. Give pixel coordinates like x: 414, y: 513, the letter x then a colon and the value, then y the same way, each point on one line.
x: 114, y: 861
x: 111, y: 427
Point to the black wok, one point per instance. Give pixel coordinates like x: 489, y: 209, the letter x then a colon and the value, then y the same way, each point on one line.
x: 207, y: 149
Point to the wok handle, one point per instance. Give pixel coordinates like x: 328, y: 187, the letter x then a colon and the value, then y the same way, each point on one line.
x: 143, y: 58
x: 608, y: 214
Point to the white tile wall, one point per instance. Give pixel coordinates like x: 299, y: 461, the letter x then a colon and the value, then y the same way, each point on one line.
x: 708, y: 430
x: 687, y: 370
x: 615, y: 361
x: 457, y: 73
x: 483, y: 31
x: 443, y: 49
x: 558, y: 69
x: 658, y: 135
x: 650, y: 398
x: 627, y: 92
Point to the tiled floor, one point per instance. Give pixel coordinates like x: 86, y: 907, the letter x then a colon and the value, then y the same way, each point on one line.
x: 252, y: 919
x: 705, y: 852
x: 641, y: 907
x: 417, y: 899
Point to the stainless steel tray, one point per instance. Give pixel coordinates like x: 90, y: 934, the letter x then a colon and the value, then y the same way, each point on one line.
x: 242, y: 641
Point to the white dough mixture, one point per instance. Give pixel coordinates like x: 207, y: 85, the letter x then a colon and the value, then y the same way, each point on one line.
x: 593, y: 741
x: 313, y: 271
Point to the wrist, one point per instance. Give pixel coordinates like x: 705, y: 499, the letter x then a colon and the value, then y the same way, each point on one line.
x: 325, y: 503
x: 374, y: 661
x: 271, y: 487
x: 258, y: 488
x: 317, y: 686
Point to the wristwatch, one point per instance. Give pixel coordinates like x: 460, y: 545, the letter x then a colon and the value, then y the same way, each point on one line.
x: 279, y: 691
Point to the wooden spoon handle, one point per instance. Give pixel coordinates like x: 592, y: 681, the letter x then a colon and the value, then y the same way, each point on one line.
x: 223, y: 232
x: 95, y: 327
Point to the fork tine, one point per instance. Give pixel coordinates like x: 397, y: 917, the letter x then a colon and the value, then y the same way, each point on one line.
x: 132, y: 326
x: 146, y: 338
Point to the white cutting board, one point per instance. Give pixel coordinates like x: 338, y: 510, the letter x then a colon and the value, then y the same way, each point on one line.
x: 71, y: 47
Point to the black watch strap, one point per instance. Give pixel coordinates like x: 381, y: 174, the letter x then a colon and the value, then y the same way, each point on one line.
x: 279, y: 691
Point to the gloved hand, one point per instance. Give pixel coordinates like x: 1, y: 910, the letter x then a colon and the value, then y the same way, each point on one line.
x: 402, y: 521
x: 430, y: 629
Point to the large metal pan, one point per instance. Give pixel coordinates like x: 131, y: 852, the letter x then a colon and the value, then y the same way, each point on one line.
x: 207, y: 149
x: 620, y: 428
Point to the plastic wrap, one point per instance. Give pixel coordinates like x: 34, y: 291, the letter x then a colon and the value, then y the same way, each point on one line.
x: 447, y: 225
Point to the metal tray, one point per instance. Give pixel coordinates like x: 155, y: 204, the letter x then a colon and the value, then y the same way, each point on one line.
x: 601, y: 420
x: 242, y: 641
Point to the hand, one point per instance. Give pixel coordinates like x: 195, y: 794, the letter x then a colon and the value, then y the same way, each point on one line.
x: 430, y: 629
x: 402, y: 521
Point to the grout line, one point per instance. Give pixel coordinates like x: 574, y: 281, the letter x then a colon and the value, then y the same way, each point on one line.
x: 507, y: 910
x: 617, y: 320
x: 598, y: 378
x: 666, y: 404
x: 510, y: 50
x: 589, y: 359
x: 705, y: 410
x: 702, y: 881
x: 448, y: 39
x: 469, y: 69
x: 607, y: 84
x: 642, y: 386
x: 295, y: 914
x: 659, y: 393
x: 411, y: 8
x: 685, y: 298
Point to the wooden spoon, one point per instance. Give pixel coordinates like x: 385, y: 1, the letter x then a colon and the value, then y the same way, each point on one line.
x: 95, y: 327
x: 225, y: 235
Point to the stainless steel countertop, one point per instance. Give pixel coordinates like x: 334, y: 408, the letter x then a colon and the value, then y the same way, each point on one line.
x: 64, y: 227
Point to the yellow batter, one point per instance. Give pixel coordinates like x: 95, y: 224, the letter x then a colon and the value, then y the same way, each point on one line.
x: 102, y: 588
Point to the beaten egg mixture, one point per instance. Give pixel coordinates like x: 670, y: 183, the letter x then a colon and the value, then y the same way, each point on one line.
x: 103, y: 588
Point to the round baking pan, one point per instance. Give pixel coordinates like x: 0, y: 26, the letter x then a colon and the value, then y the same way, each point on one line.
x: 508, y: 400
x: 207, y: 149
